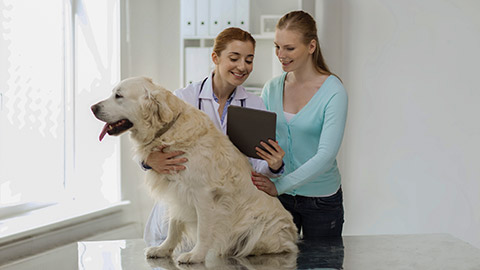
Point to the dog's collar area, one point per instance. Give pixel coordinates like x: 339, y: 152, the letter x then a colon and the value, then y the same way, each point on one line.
x: 165, y: 128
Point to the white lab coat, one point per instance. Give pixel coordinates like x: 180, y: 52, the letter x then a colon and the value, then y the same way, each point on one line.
x: 157, y: 226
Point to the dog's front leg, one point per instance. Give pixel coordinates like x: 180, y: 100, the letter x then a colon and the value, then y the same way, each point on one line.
x: 174, y: 237
x: 205, y: 226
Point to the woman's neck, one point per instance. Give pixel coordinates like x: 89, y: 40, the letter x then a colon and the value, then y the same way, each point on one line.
x: 304, y: 74
x: 221, y: 89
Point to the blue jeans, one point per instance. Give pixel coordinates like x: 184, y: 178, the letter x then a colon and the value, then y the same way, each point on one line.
x: 316, y: 217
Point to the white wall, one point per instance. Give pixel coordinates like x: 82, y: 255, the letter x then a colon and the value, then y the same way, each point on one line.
x: 150, y: 47
x: 410, y: 157
x: 411, y: 151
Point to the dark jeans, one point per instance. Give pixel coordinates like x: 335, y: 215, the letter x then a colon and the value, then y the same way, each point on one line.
x: 316, y: 217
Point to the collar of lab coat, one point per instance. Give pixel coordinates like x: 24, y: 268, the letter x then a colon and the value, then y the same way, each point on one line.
x: 207, y: 91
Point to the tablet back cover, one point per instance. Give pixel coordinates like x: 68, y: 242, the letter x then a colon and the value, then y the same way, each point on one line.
x: 246, y: 127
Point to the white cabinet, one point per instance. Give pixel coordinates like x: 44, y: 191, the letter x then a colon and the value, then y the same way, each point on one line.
x: 200, y: 56
x: 202, y: 20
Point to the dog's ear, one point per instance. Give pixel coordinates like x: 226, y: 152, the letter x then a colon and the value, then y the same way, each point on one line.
x: 157, y: 107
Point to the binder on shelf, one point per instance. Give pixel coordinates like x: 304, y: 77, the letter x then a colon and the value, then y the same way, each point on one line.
x: 215, y: 23
x: 242, y: 11
x: 197, y: 63
x: 188, y: 17
x: 228, y: 14
x: 202, y: 15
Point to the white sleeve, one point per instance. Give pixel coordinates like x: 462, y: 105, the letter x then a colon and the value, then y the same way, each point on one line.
x: 188, y: 94
x: 261, y: 166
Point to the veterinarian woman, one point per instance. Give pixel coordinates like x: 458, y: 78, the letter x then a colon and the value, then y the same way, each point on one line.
x: 311, y: 107
x: 233, y: 54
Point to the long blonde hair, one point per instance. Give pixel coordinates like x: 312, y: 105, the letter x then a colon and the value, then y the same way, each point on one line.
x: 303, y: 23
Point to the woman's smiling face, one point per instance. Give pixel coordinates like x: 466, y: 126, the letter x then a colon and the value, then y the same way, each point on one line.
x: 235, y: 63
x: 290, y: 49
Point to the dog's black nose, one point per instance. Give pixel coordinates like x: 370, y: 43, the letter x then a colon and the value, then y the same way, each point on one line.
x: 95, y: 108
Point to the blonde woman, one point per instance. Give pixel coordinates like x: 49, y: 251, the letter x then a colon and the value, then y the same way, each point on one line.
x: 311, y: 107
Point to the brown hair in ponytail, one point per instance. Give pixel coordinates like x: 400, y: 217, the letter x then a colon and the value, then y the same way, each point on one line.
x: 228, y: 35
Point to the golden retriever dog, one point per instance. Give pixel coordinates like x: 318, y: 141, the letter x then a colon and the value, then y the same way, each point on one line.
x: 213, y: 203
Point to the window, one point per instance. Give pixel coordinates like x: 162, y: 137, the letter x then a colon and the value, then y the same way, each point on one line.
x: 57, y: 58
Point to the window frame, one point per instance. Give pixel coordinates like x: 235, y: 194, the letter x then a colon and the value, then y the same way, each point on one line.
x: 10, y: 214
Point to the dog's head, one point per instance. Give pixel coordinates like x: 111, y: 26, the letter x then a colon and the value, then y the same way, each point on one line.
x: 138, y: 105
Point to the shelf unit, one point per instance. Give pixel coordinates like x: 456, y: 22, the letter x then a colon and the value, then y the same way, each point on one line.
x: 265, y: 64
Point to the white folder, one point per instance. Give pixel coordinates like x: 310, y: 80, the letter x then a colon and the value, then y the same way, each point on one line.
x: 188, y: 17
x: 228, y: 13
x: 202, y: 17
x: 242, y: 9
x: 215, y: 22
x: 197, y: 63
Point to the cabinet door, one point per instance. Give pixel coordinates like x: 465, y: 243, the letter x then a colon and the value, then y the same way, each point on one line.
x: 197, y: 64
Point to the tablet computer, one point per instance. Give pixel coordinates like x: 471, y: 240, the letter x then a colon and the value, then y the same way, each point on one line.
x: 246, y: 127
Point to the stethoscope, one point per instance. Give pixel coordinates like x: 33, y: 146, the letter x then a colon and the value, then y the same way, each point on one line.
x: 242, y: 101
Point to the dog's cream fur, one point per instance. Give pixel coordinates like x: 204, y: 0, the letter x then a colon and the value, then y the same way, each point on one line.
x: 212, y: 203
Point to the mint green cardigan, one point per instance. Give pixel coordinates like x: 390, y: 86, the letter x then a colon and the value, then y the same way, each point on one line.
x: 311, y: 139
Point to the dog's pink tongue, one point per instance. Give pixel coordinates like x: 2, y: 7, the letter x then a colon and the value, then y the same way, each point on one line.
x: 104, y: 132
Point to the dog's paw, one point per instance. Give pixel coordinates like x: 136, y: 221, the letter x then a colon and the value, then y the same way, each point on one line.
x: 190, y: 258
x: 158, y: 252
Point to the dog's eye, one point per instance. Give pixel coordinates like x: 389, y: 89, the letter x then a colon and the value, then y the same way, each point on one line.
x: 118, y: 96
